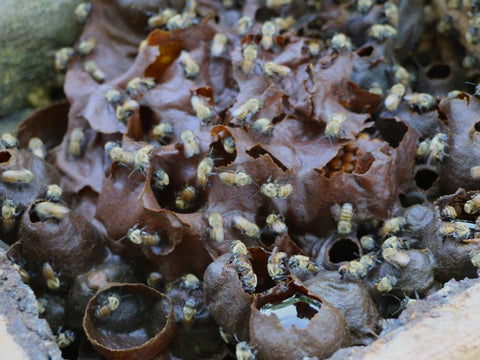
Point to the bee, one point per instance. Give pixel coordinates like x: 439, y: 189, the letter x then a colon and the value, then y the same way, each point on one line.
x: 250, y: 107
x: 162, y: 131
x: 118, y: 154
x: 228, y: 144
x: 284, y: 23
x: 437, y: 146
x: 62, y: 58
x: 401, y: 75
x: 215, y: 221
x: 53, y: 282
x: 181, y: 21
x: 385, y: 284
x: 375, y: 88
x: 85, y: 47
x: 22, y: 272
x: 269, y: 189
x: 276, y: 266
x: 368, y: 261
x: 202, y: 110
x: 449, y: 212
x: 8, y: 141
x: 391, y: 13
x: 127, y: 109
x: 420, y: 102
x: 204, y: 170
x: 191, y: 7
x: 36, y: 146
x: 462, y: 231
x: 396, y: 257
x: 219, y: 45
x: 394, y: 97
x: 363, y: 6
x: 475, y: 258
x: 313, y: 48
x: 238, y: 250
x: 113, y: 96
x: 162, y: 18
x: 270, y: 68
x: 367, y: 242
x: 140, y: 85
x: 302, y: 262
x: 138, y: 236
x: 341, y: 43
x: 395, y: 243
x: 238, y: 178
x: 268, y: 31
x: 65, y: 338
x: 284, y: 190
x: 392, y: 226
x: 382, y: 32
x: 186, y: 197
x: 272, y: 4
x: 275, y: 224
x: 94, y: 71
x: 9, y: 212
x: 247, y: 276
x: 154, y: 279
x: 53, y: 193
x: 76, y: 142
x: 249, y: 54
x: 446, y: 228
x: 190, y: 67
x: 353, y: 269
x: 228, y: 4
x: 42, y: 305
x: 22, y: 176
x: 142, y: 158
x: 82, y: 11
x: 243, y: 25
x: 189, y: 311
x: 423, y: 149
x: 475, y: 172
x: 190, y: 146
x: 104, y: 311
x: 333, y: 127
x: 248, y: 228
x: 160, y: 179
x: 242, y: 350
x: 190, y: 282
x: 48, y: 210
x: 344, y: 225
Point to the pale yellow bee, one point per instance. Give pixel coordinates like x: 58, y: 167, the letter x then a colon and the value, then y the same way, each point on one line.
x: 244, y: 352
x: 249, y: 54
x: 394, y: 97
x: 118, y: 154
x: 22, y: 272
x: 250, y: 107
x: 113, y: 96
x: 353, y: 269
x: 364, y: 6
x: 273, y: 4
x: 139, y: 236
x: 367, y: 242
x: 284, y: 23
x: 462, y: 231
x: 53, y: 282
x: 248, y: 228
x: 284, y: 190
x: 53, y: 193
x: 393, y: 225
x: 181, y: 21
x: 142, y: 158
x: 219, y: 45
x: 341, y: 42
x: 162, y: 18
x: 185, y: 198
x: 238, y: 250
x: 314, y: 48
x: 77, y: 140
x: 238, y: 178
x: 263, y: 125
x: 437, y: 147
x: 140, y: 85
x: 202, y: 110
x: 247, y: 276
x: 420, y: 101
x: 204, y: 170
x: 215, y: 221
x: 385, y: 284
x: 449, y: 212
x: 85, y: 47
x: 334, y: 126
x: 9, y: 212
x: 65, y: 338
x: 401, y: 75
x: 277, y: 266
x: 394, y: 242
x: 344, y: 225
x: 396, y: 257
x: 189, y: 311
x: 94, y: 71
x: 473, y: 205
x: 423, y: 149
x: 302, y: 262
x: 391, y: 13
x: 21, y: 176
x: 162, y: 132
x: 243, y: 25
x: 127, y: 109
x: 275, y: 224
x: 112, y: 304
x: 475, y: 258
x: 154, y: 279
x: 270, y: 68
x: 475, y: 172
x: 446, y: 228
x: 48, y: 210
x: 268, y: 31
x: 8, y: 141
x: 190, y: 146
x: 269, y: 189
x: 62, y: 57
x: 382, y: 32
x: 160, y: 179
x: 190, y: 281
x: 36, y: 146
x: 82, y: 11
x: 228, y: 144
x: 190, y: 67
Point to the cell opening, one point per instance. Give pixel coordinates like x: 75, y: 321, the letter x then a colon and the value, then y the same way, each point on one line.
x: 477, y: 126
x: 410, y: 199
x: 440, y: 71
x: 257, y: 150
x: 5, y: 156
x: 366, y: 51
x: 425, y: 178
x: 392, y: 131
x: 343, y: 250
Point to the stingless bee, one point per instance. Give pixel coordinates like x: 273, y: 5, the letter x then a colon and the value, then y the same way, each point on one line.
x: 277, y: 266
x: 313, y: 48
x: 9, y: 212
x: 42, y: 305
x: 363, y: 6
x: 94, y: 71
x: 268, y: 31
x: 420, y: 102
x: 247, y: 276
x: 190, y: 146
x: 215, y: 221
x: 284, y: 23
x: 475, y: 172
x: 401, y: 75
x: 353, y: 269
x: 127, y: 109
x: 190, y: 282
x: 8, y: 141
x: 219, y: 45
x: 341, y: 43
x: 118, y: 154
x: 367, y: 242
x: 244, y: 352
x: 244, y: 24
x: 162, y: 132
x: 142, y: 158
x: 333, y: 127
x: 238, y: 250
x: 284, y: 190
x: 24, y: 274
x: 190, y: 67
x: 248, y: 228
x: 423, y: 149
x: 462, y: 231
x: 238, y: 178
x: 36, y: 146
x: 185, y: 198
x: 204, y: 170
x: 269, y: 189
x: 160, y: 179
x: 473, y: 205
x: 85, y: 47
x: 82, y: 11
x: 394, y: 242
x: 228, y: 144
x: 391, y: 13
x: 65, y: 338
x: 53, y: 193
x: 48, y: 210
x: 202, y: 111
x: 275, y: 224
x: 475, y: 258
x: 189, y: 311
x: 392, y: 226
x: 162, y: 18
x: 270, y: 68
x: 396, y: 257
x: 22, y: 176
x: 53, y: 282
x: 139, y: 236
x: 385, y: 284
x: 250, y: 107
x: 113, y: 96
x: 394, y: 97
x: 382, y: 32
x: 154, y: 279
x: 62, y: 58
x: 272, y: 4
x: 249, y: 54
x: 446, y: 228
x: 111, y: 304
x: 140, y: 85
x: 181, y: 21
x: 302, y: 262
x: 76, y: 142
x: 437, y: 147
x: 449, y: 212
x: 344, y: 225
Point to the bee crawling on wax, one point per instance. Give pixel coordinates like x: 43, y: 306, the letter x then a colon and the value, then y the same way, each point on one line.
x: 53, y: 193
x: 119, y: 154
x: 160, y: 179
x: 277, y: 266
x: 140, y: 236
x: 186, y: 197
x: 247, y: 227
x: 238, y: 178
x: 215, y: 221
x: 190, y: 145
x: 268, y: 31
x: 53, y: 281
x: 244, y: 352
x: 249, y: 54
x: 204, y: 170
x: 334, y: 126
x: 219, y: 45
x: 190, y: 67
x: 111, y: 304
x: 65, y: 338
x: 37, y: 148
x: 49, y: 210
x: 9, y: 213
x: 139, y: 85
x: 20, y: 176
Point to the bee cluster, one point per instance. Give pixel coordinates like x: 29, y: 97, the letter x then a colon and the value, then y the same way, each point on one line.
x: 252, y: 164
